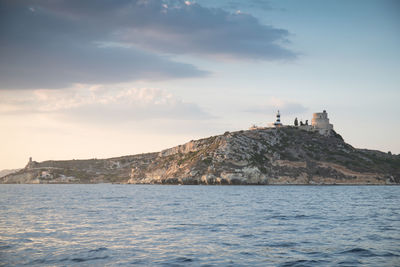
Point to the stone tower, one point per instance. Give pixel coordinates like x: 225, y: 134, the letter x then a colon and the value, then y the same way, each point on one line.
x: 30, y: 164
x: 321, y: 123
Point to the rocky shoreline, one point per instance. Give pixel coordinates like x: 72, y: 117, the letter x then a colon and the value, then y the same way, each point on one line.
x: 269, y: 156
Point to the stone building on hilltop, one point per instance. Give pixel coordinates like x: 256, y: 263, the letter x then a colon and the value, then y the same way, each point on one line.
x: 320, y: 123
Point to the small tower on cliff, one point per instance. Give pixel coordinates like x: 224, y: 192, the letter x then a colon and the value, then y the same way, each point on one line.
x: 30, y: 164
x: 320, y: 122
x: 278, y: 123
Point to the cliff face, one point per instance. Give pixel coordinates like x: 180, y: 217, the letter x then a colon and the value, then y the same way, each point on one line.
x: 6, y: 172
x: 270, y: 156
x: 264, y: 156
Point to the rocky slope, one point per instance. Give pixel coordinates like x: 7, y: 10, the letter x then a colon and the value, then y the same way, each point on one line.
x: 285, y: 155
x: 6, y: 172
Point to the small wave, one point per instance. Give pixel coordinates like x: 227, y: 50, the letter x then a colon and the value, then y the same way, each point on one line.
x: 183, y: 259
x: 108, y: 198
x: 89, y: 259
x: 360, y: 252
x: 138, y: 261
x: 179, y: 228
x: 230, y: 244
x: 98, y: 249
x: 37, y: 261
x: 4, y: 247
x: 247, y: 236
x: 387, y: 228
x: 294, y: 217
x: 173, y: 204
x: 245, y: 253
x: 276, y: 244
x: 389, y: 254
x: 92, y: 211
x: 282, y: 245
x: 24, y: 240
x: 374, y: 237
x: 300, y: 216
x: 192, y: 224
x: 279, y: 217
x: 348, y: 263
x: 43, y: 261
x: 302, y: 263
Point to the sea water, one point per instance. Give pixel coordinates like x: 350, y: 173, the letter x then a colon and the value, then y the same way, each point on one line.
x: 166, y: 225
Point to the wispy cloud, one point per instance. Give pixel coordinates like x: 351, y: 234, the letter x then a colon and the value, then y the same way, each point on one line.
x: 193, y: 29
x: 53, y: 44
x: 259, y: 4
x: 97, y: 104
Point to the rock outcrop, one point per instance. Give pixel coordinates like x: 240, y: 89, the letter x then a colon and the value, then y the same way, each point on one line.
x: 286, y: 155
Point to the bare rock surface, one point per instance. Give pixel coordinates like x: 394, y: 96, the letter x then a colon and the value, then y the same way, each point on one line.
x: 286, y: 155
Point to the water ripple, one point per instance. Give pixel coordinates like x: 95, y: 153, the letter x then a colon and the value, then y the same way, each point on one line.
x: 120, y: 225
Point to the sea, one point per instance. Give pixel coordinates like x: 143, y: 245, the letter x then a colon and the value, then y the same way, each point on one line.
x: 171, y: 225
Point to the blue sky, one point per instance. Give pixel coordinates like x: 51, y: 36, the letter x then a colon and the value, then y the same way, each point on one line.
x: 109, y: 78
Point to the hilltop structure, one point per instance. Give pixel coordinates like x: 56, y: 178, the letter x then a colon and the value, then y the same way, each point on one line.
x: 319, y: 123
x: 30, y: 164
x: 278, y: 122
x: 275, y: 124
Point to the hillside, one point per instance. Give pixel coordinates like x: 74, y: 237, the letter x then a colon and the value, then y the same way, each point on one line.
x: 284, y: 155
x: 6, y: 172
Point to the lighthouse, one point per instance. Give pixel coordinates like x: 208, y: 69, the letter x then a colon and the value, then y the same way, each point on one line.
x: 278, y: 123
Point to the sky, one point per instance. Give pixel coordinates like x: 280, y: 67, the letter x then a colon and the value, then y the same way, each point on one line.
x: 97, y: 79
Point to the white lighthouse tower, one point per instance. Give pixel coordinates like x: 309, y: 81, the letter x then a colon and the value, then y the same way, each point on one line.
x: 278, y: 123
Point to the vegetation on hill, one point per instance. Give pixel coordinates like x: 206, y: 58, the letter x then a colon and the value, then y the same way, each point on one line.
x: 286, y: 155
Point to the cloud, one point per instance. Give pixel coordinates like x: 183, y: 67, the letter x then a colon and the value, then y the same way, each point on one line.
x: 53, y: 44
x: 40, y: 48
x: 98, y: 104
x: 257, y: 4
x: 274, y: 104
x: 60, y: 65
x: 194, y: 29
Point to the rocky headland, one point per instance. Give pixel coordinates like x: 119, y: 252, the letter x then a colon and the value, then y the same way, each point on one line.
x: 285, y: 155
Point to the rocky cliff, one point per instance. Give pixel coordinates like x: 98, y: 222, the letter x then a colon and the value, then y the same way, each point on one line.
x: 286, y: 155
